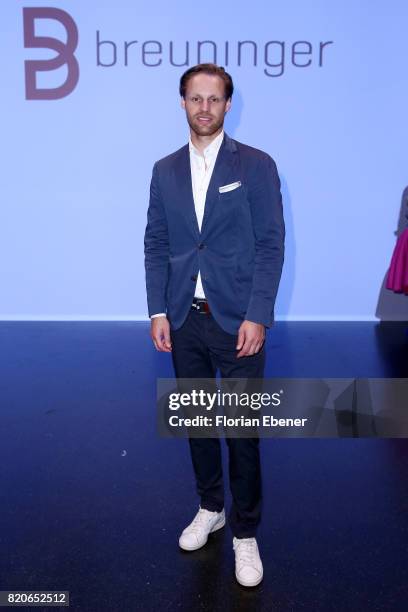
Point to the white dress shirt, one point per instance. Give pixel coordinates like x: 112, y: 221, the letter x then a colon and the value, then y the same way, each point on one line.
x: 202, y: 166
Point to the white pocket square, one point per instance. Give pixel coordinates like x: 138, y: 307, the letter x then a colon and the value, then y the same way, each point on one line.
x: 229, y: 187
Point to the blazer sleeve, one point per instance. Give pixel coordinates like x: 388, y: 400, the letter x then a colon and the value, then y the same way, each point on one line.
x: 269, y: 233
x: 156, y: 249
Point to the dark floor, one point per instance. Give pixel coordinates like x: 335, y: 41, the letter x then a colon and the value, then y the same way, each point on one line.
x: 93, y: 500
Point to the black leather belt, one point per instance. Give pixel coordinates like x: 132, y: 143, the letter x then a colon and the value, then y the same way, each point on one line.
x: 201, y: 306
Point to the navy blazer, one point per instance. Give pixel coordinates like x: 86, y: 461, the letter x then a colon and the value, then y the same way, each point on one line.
x: 239, y: 251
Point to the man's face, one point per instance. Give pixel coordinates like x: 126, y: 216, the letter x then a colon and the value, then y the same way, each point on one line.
x: 205, y: 104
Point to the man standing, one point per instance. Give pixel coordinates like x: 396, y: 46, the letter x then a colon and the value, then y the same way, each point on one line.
x: 214, y: 245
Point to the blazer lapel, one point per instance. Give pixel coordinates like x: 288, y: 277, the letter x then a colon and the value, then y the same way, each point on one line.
x: 185, y: 188
x: 225, y: 171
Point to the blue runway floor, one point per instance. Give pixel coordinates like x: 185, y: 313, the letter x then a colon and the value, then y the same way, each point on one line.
x: 93, y: 501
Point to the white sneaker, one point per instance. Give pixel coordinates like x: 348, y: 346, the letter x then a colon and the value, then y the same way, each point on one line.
x: 248, y: 564
x: 196, y: 534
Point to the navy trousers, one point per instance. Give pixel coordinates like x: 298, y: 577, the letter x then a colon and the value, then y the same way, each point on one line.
x: 199, y: 348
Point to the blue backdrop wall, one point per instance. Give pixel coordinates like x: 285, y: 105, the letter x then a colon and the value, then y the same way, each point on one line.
x: 321, y: 86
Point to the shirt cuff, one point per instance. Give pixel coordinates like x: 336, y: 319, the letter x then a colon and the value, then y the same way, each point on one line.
x: 159, y: 314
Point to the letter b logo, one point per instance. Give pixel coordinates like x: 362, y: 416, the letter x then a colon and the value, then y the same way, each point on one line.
x: 65, y: 53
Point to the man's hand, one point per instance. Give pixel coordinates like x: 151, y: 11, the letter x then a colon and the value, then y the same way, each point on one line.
x: 251, y: 337
x: 160, y: 333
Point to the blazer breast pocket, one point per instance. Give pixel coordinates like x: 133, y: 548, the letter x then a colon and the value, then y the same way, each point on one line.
x: 230, y: 191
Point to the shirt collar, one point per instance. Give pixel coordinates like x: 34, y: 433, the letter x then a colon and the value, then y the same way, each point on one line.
x: 212, y: 148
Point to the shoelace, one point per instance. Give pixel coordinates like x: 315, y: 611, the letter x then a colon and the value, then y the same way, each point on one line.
x: 199, y: 520
x: 246, y: 552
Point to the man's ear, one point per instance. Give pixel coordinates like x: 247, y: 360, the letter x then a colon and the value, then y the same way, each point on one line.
x: 228, y: 105
x: 182, y: 102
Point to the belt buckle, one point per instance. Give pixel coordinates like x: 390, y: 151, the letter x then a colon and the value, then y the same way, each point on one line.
x: 202, y: 307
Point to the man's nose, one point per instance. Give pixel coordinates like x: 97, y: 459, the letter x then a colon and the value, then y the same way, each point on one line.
x: 205, y: 105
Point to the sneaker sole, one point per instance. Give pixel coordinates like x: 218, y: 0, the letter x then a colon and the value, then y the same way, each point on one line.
x: 250, y: 584
x: 216, y: 527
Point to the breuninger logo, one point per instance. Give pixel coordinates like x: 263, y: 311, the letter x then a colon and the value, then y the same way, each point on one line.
x: 272, y: 56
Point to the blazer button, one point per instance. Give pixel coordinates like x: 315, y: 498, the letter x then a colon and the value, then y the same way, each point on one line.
x: 194, y: 277
x: 201, y: 245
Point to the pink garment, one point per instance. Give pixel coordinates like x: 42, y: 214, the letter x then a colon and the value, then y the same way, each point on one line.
x: 398, y: 273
